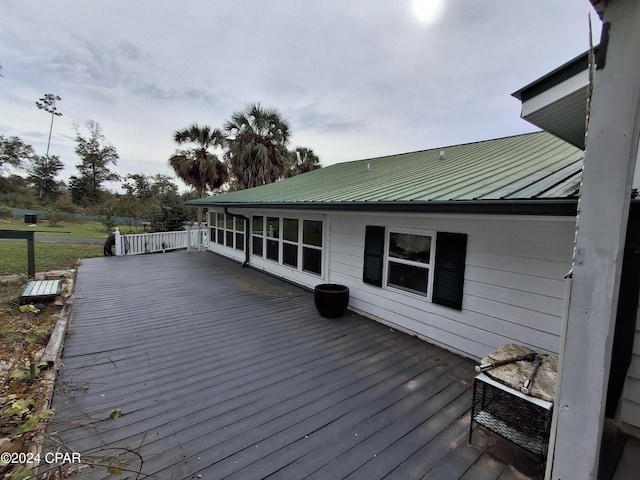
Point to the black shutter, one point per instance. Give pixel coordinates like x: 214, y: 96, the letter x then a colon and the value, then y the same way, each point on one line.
x: 373, y: 255
x: 451, y: 252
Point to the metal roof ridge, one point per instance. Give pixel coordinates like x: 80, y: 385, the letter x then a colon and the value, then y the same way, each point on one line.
x: 443, y: 147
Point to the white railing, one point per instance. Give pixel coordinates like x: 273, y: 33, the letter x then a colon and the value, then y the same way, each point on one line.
x: 192, y: 238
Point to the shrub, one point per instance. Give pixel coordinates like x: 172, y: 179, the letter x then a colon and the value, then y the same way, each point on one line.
x: 6, y: 211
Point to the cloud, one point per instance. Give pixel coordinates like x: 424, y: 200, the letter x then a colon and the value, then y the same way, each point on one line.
x: 354, y: 79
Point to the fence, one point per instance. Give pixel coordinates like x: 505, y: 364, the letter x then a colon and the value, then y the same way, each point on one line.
x: 21, y: 212
x: 139, y: 243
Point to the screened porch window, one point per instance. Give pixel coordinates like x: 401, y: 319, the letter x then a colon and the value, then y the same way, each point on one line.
x: 228, y: 231
x: 273, y: 235
x: 257, y: 235
x: 294, y: 242
x: 290, y: 241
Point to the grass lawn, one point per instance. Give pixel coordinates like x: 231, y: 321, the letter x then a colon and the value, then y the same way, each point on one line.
x: 51, y: 256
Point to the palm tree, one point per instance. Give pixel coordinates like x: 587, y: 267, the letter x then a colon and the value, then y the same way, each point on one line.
x: 198, y: 167
x: 257, y: 142
x: 302, y: 160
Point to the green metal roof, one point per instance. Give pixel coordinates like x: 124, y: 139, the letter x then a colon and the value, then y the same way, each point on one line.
x: 536, y: 170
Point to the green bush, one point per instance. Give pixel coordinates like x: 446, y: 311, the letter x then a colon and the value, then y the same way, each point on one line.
x: 6, y: 211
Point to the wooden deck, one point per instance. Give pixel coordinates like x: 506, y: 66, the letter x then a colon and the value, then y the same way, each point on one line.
x: 220, y: 372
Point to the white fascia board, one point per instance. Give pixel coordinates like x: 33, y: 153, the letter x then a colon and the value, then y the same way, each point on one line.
x: 556, y: 93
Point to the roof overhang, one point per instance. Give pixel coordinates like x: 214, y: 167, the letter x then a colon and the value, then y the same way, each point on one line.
x: 557, y: 102
x: 599, y: 6
x: 545, y: 207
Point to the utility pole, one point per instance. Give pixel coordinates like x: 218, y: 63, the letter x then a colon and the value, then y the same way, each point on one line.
x: 48, y: 104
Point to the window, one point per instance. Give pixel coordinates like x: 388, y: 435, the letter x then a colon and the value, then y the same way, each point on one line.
x: 290, y: 241
x: 228, y: 231
x: 420, y: 262
x: 293, y: 242
x: 273, y: 234
x: 220, y: 229
x: 257, y: 231
x: 409, y: 262
x: 228, y: 225
x: 312, y: 246
x: 239, y: 233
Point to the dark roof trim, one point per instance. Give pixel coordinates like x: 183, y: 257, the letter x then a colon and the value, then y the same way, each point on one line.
x: 549, y: 207
x: 555, y: 77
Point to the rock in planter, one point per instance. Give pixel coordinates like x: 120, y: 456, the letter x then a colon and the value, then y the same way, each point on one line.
x: 331, y: 299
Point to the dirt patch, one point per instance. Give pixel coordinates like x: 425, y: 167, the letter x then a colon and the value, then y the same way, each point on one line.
x: 30, y: 345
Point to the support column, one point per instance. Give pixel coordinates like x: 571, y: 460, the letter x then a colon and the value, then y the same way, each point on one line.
x: 611, y: 149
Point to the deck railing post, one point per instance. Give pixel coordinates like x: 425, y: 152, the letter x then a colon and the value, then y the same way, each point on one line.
x: 118, y: 242
x: 31, y: 255
x: 188, y: 237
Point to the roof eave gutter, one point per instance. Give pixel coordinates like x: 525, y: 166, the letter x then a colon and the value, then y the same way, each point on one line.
x: 544, y: 207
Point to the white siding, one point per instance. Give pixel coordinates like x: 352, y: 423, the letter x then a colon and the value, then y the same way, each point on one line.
x: 513, y: 289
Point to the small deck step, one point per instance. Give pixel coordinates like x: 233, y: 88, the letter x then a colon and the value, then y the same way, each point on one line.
x: 40, y: 291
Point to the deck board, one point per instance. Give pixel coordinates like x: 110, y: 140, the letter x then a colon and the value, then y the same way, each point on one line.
x: 226, y: 372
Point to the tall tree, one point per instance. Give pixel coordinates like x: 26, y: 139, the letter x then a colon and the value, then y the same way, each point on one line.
x: 138, y: 185
x: 48, y: 104
x: 162, y: 185
x: 42, y: 172
x: 198, y: 166
x: 96, y: 157
x: 150, y: 197
x: 13, y: 152
x: 257, y: 142
x: 302, y: 160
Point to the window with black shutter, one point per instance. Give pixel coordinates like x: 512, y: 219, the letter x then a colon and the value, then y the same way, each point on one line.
x: 373, y: 255
x: 451, y: 252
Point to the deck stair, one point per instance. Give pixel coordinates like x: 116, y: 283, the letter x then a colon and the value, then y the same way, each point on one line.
x: 40, y: 291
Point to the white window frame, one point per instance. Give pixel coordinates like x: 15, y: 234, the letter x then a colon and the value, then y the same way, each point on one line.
x: 430, y: 266
x: 234, y: 230
x: 281, y: 241
x: 302, y: 246
x: 297, y: 243
x: 261, y: 235
x: 267, y: 238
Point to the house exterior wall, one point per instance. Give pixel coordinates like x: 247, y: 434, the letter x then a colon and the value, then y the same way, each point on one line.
x: 513, y: 286
x: 513, y: 283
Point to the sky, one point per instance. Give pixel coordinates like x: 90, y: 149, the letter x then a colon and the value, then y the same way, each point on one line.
x: 354, y: 79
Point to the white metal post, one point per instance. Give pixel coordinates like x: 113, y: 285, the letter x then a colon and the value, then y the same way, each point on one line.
x: 118, y: 243
x: 611, y: 147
